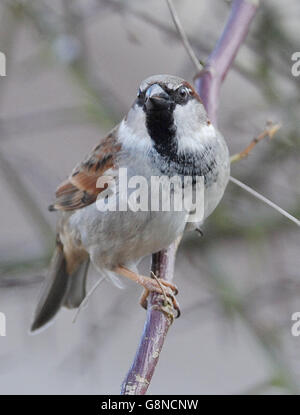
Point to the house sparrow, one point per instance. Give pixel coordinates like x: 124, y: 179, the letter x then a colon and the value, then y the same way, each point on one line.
x: 165, y: 133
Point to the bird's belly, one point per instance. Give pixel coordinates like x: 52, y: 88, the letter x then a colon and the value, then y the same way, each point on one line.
x: 159, y: 231
x: 114, y: 238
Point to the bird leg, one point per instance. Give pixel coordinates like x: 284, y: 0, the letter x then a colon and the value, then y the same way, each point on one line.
x: 157, y: 285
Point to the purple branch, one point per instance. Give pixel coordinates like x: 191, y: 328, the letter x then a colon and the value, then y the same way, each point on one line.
x: 208, y: 84
x: 155, y: 329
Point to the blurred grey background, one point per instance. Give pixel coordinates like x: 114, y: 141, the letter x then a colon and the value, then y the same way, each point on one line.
x: 73, y: 68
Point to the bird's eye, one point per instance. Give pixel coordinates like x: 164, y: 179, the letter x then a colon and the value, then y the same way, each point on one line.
x: 183, y: 93
x: 139, y: 94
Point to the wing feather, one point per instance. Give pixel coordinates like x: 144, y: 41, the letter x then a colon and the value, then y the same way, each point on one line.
x: 80, y: 189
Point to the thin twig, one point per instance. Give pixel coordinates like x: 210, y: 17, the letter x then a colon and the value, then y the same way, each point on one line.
x: 183, y: 36
x: 194, y: 42
x: 269, y: 131
x: 86, y: 298
x: 265, y: 200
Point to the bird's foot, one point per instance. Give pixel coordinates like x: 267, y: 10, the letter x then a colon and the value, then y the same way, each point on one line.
x: 157, y: 285
x: 167, y: 292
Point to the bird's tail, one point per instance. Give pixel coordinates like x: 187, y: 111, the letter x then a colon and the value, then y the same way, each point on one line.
x: 60, y: 289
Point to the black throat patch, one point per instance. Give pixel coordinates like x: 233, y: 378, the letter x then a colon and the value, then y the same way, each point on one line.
x: 162, y: 130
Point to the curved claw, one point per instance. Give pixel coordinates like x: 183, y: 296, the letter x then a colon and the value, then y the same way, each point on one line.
x: 175, y: 306
x: 169, y: 308
x: 169, y: 301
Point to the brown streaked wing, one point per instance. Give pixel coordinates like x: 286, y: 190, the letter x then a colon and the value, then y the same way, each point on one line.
x: 80, y: 190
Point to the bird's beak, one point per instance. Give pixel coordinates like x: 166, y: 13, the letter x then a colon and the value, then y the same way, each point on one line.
x: 156, y: 98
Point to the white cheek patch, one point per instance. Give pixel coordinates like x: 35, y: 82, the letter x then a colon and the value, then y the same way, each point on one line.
x: 192, y: 131
x: 133, y: 133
